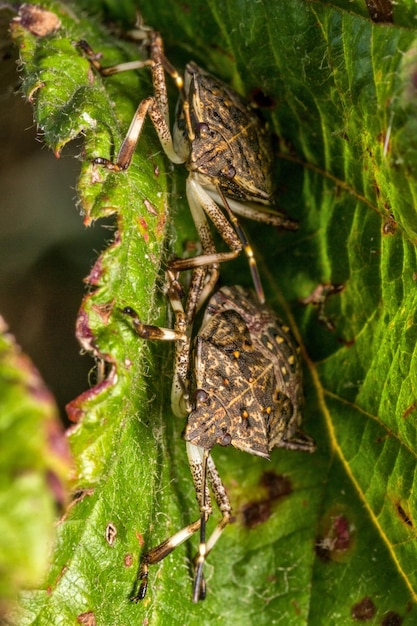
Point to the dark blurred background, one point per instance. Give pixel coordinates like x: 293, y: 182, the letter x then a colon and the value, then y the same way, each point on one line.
x: 45, y: 250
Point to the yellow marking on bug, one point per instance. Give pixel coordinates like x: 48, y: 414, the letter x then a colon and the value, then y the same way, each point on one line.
x: 178, y: 80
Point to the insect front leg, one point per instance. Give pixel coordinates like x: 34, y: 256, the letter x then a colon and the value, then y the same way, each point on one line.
x: 147, y: 331
x: 155, y: 106
x: 149, y: 106
x: 181, y: 335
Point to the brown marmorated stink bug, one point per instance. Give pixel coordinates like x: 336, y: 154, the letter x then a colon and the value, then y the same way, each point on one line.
x: 222, y: 142
x: 239, y: 383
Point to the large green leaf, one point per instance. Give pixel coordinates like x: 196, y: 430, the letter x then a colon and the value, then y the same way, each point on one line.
x: 34, y: 463
x: 339, y: 546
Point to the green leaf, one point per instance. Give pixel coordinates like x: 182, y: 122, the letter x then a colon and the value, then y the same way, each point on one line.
x: 34, y: 462
x: 341, y: 543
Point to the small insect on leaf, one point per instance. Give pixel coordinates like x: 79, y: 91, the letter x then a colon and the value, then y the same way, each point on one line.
x: 238, y: 383
x: 222, y: 142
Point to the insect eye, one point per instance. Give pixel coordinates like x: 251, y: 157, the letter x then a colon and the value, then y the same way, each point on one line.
x: 225, y: 439
x: 203, y: 129
x: 230, y: 172
x: 201, y: 397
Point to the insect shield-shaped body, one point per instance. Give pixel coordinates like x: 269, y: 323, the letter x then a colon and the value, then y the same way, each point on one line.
x: 227, y: 150
x: 222, y: 139
x: 247, y: 379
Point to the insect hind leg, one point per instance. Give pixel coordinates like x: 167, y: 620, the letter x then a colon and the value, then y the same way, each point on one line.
x: 204, y: 473
x: 157, y: 554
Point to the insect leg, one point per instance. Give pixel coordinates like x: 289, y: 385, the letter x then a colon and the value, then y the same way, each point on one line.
x: 147, y: 331
x: 155, y: 106
x: 197, y: 459
x: 204, y: 473
x: 148, y: 106
x: 180, y: 334
x: 182, y: 326
x: 222, y: 501
x: 94, y: 58
x: 247, y: 248
x: 265, y: 214
x: 201, y: 204
x: 157, y: 554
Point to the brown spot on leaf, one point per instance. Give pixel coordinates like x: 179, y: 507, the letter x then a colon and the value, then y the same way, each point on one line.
x: 404, y: 516
x: 322, y: 551
x: 256, y: 513
x: 261, y: 100
x: 363, y: 610
x: 88, y: 618
x: 297, y: 608
x: 380, y: 11
x: 348, y: 343
x: 143, y: 228
x: 336, y: 538
x: 140, y: 539
x: 150, y: 207
x: 391, y: 619
x: 275, y: 486
x: 409, y: 410
x: 104, y: 310
x: 342, y: 533
x: 128, y: 560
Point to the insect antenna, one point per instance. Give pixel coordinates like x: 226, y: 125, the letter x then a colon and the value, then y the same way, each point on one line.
x: 199, y: 590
